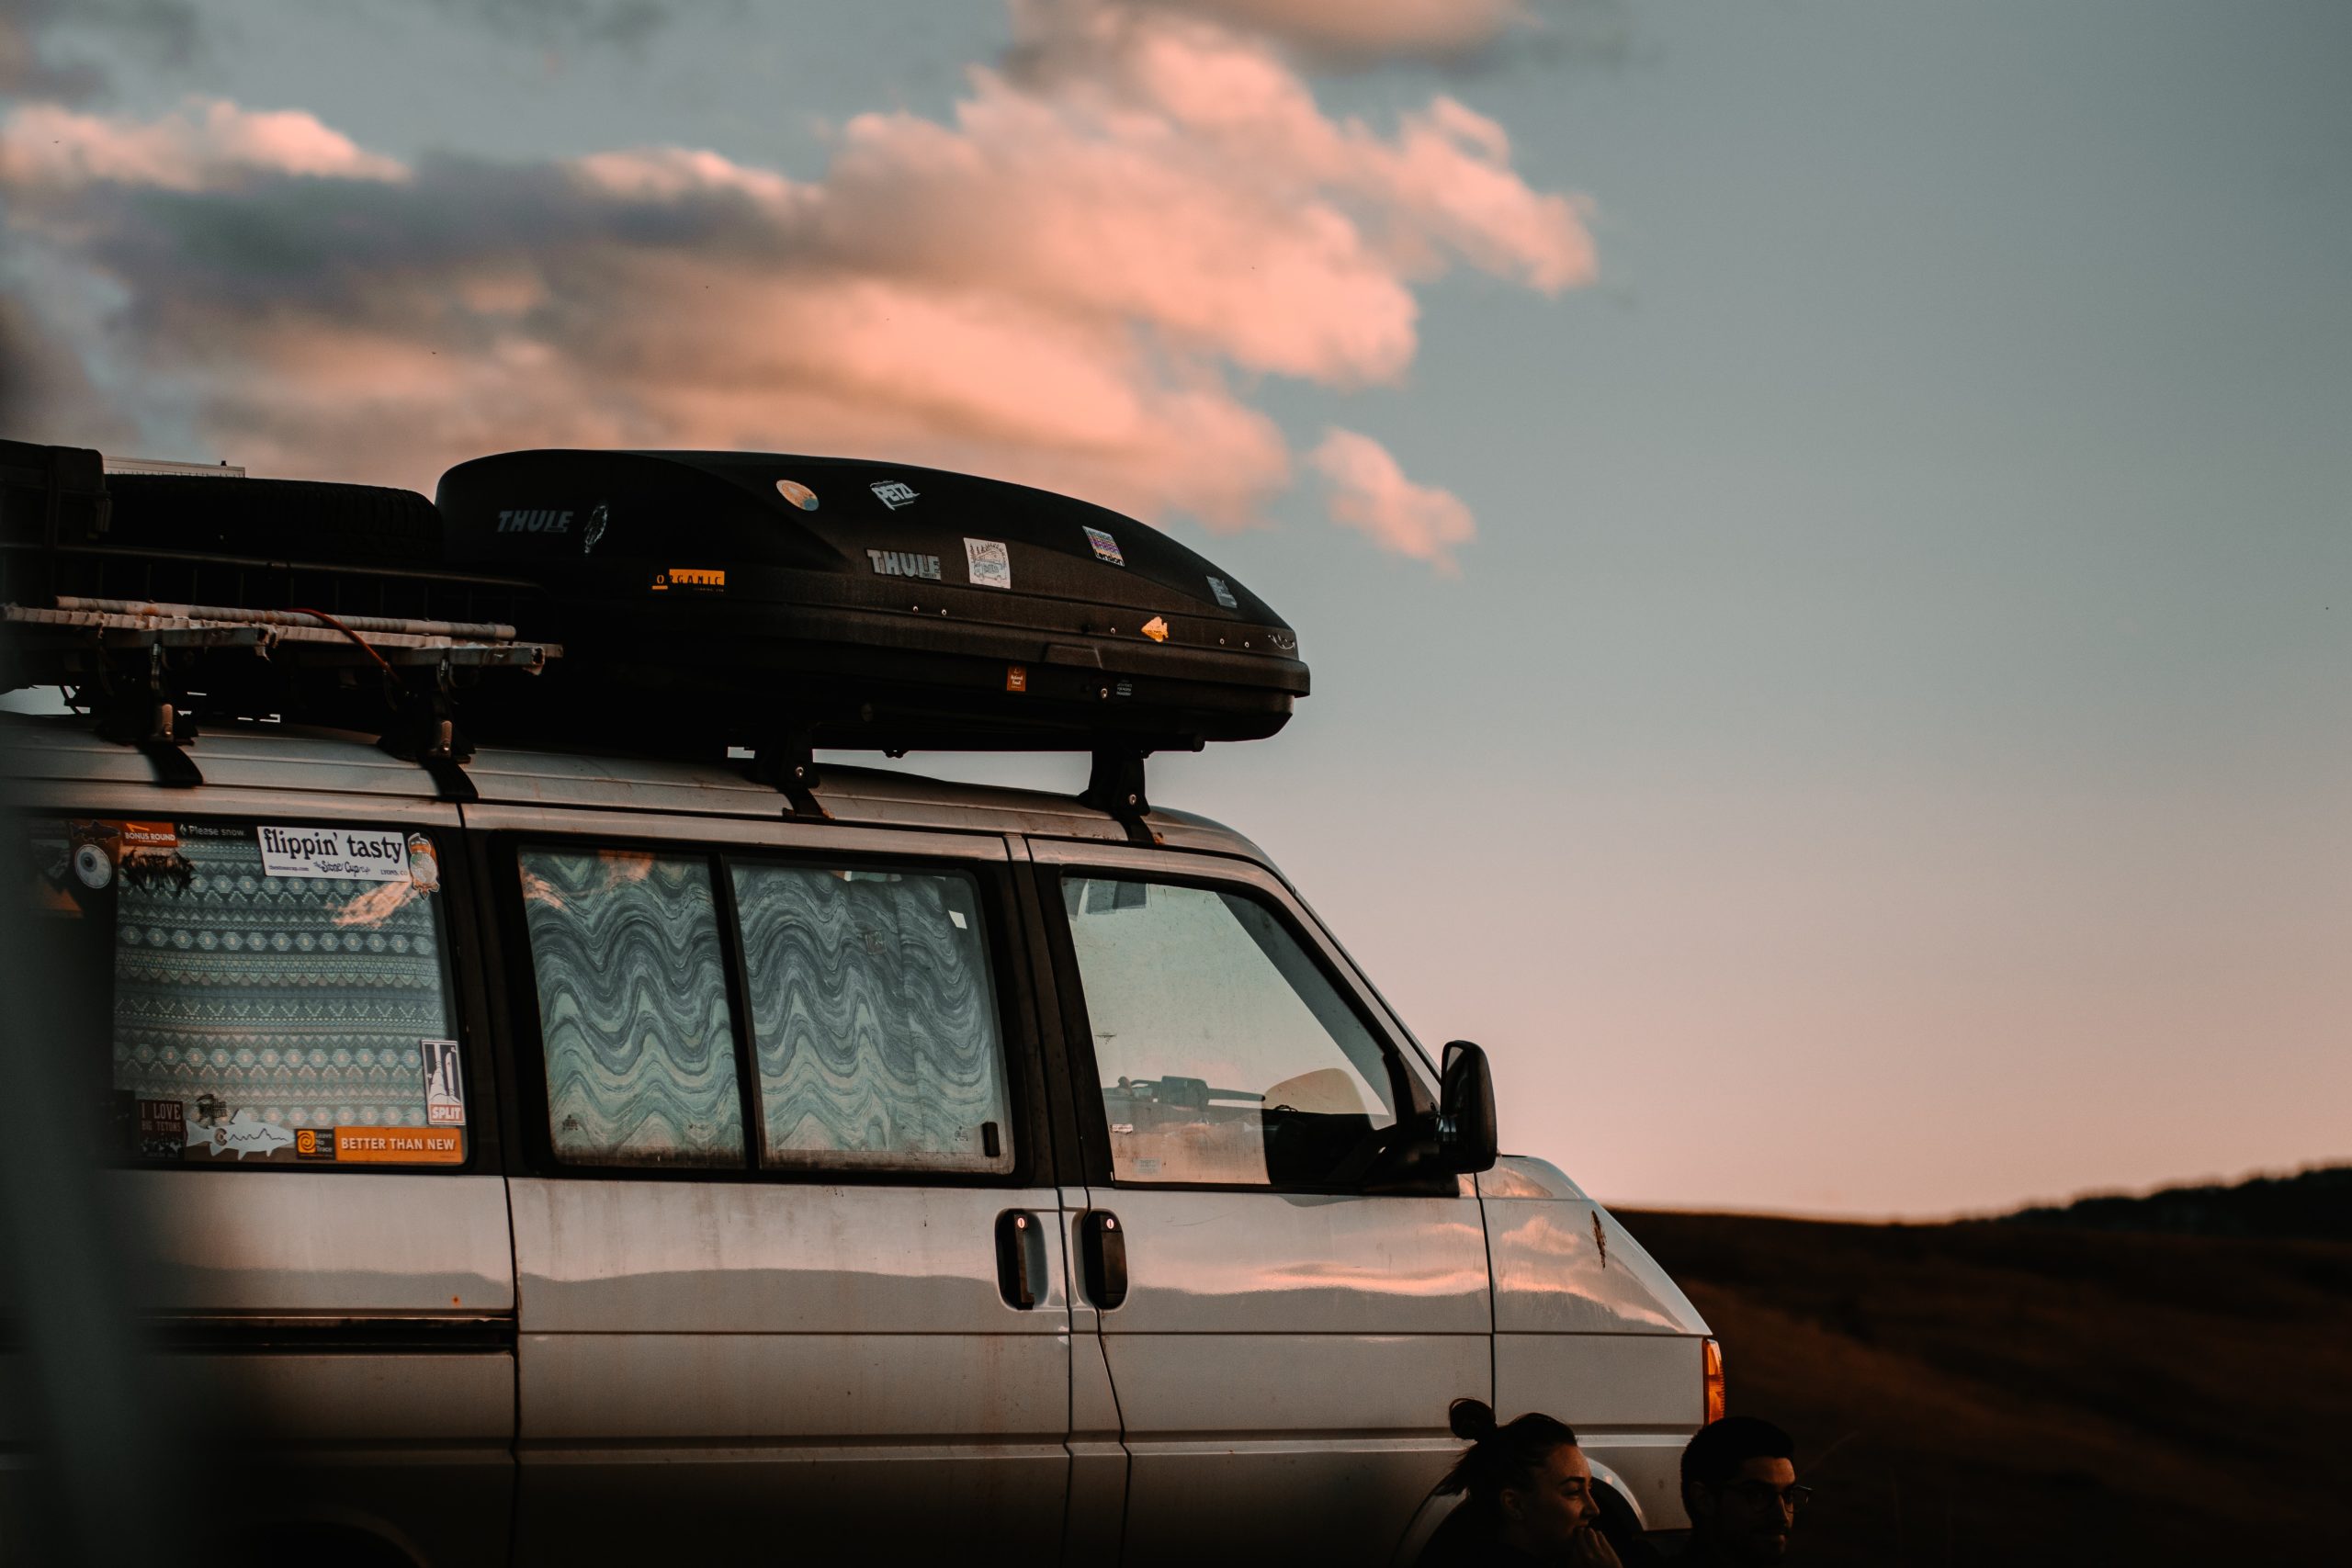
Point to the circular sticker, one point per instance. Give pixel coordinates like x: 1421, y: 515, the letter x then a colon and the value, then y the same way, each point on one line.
x: 93, y: 865
x: 800, y: 495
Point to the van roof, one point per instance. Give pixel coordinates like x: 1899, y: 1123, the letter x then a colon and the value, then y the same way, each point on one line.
x: 63, y: 749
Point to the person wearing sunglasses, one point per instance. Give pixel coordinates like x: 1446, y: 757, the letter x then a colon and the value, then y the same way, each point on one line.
x: 1739, y: 1486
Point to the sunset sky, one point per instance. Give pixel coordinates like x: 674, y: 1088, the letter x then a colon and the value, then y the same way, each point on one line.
x: 1822, y: 527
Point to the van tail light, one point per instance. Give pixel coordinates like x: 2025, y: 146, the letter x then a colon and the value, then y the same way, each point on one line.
x: 1712, y: 1360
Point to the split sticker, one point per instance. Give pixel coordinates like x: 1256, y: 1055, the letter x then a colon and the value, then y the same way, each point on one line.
x: 361, y: 854
x: 989, y: 562
x: 1105, y: 548
x: 445, y: 1088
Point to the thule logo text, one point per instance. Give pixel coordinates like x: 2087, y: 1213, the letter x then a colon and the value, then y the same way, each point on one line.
x: 535, y: 521
x: 900, y: 563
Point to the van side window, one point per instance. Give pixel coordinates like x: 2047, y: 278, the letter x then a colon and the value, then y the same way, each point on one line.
x: 874, y: 1021
x: 634, y: 1019
x: 268, y: 993
x: 1224, y: 1054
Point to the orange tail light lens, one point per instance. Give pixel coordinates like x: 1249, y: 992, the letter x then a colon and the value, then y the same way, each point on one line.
x: 1712, y: 1356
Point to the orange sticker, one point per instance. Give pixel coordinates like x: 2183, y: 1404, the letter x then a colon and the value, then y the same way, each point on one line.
x: 398, y: 1146
x: 1016, y: 677
x: 159, y: 837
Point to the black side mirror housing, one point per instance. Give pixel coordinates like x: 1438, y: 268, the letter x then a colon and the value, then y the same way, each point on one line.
x: 1466, y: 1117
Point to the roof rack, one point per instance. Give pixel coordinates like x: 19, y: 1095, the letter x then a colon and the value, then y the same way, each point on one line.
x: 147, y: 671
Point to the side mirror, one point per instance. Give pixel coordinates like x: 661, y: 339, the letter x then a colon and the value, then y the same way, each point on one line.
x: 1465, y: 1111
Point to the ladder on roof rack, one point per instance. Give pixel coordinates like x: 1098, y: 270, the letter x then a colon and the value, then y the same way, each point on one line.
x: 137, y: 667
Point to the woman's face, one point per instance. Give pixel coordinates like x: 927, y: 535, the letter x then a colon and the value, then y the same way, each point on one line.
x: 1545, y: 1517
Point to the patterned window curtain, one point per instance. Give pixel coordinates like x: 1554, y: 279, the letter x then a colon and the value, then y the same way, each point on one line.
x: 633, y: 1013
x: 299, y: 1001
x: 874, y: 1019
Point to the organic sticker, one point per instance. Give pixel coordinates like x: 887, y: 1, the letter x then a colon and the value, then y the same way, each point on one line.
x: 892, y: 493
x: 800, y: 494
x: 691, y: 579
x: 1223, y: 594
x: 1105, y: 548
x: 362, y: 854
x: 989, y: 562
x: 444, y: 1092
x: 1155, y: 629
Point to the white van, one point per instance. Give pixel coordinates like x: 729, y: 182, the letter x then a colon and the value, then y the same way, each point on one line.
x: 619, y: 1163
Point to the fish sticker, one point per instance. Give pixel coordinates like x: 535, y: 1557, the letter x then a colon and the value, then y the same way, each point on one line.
x: 243, y: 1134
x: 1156, y: 628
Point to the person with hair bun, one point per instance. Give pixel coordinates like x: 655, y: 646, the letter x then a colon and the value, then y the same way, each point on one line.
x: 1527, y: 1496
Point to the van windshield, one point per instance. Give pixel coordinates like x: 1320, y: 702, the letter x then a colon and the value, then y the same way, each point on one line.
x: 256, y: 992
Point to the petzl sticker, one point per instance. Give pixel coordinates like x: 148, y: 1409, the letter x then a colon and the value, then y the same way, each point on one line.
x: 893, y: 494
x: 1223, y: 594
x: 800, y: 494
x: 989, y: 563
x: 445, y: 1090
x: 1105, y: 548
x: 363, y: 854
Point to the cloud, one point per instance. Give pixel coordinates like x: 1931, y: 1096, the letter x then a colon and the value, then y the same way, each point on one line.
x: 164, y: 31
x: 1360, y: 31
x: 204, y: 144
x: 1369, y: 491
x: 1076, y: 279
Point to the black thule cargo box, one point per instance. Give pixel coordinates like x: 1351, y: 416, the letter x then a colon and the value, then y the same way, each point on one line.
x: 738, y: 597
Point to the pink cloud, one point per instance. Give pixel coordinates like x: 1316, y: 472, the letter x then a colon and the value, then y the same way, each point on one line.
x: 206, y: 142
x: 1073, y: 280
x: 1367, y: 29
x: 1369, y: 491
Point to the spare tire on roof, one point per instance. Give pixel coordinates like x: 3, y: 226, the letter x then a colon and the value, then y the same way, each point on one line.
x: 300, y: 520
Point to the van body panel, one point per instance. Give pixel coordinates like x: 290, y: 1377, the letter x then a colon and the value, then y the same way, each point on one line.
x: 605, y: 1255
x: 330, y: 1244
x: 742, y: 1353
x: 1590, y: 1329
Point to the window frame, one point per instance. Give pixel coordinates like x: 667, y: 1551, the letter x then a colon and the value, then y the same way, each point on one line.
x: 469, y: 1022
x: 1399, y: 1052
x: 1016, y: 1011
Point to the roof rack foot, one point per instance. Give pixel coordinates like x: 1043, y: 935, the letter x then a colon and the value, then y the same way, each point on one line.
x: 788, y: 763
x: 423, y: 733
x: 153, y: 724
x: 1116, y: 785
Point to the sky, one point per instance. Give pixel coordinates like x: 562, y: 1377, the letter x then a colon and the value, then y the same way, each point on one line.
x: 1819, y: 525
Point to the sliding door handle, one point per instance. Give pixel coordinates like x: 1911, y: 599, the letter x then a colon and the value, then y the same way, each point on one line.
x: 1020, y: 1257
x: 1104, y: 1242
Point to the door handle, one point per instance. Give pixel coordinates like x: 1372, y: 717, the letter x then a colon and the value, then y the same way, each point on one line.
x: 1020, y: 1257
x: 1105, y: 1246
